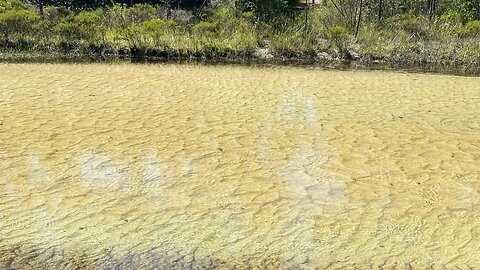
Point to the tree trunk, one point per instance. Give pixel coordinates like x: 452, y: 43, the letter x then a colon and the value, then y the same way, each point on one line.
x: 40, y: 7
x: 434, y: 8
x: 359, y: 19
x: 201, y: 8
x: 306, y: 17
x: 380, y: 9
x: 431, y: 9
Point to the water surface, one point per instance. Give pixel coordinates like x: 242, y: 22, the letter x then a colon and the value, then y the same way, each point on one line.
x: 186, y: 166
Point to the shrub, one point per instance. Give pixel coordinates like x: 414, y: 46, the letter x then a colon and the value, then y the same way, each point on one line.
x: 42, y: 29
x: 17, y: 22
x: 6, y: 5
x: 158, y: 26
x: 222, y: 3
x: 206, y: 29
x: 151, y: 34
x: 269, y: 9
x: 339, y: 37
x: 451, y: 17
x: 69, y: 31
x: 88, y: 18
x: 120, y: 16
x: 86, y: 25
x: 249, y: 16
x: 417, y: 26
x: 471, y: 29
x: 140, y: 13
x: 56, y: 14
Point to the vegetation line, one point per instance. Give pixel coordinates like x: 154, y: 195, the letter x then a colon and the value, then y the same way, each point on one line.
x: 407, y: 32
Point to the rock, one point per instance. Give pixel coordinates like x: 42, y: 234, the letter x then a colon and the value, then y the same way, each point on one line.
x: 263, y: 53
x: 324, y: 56
x: 352, y: 55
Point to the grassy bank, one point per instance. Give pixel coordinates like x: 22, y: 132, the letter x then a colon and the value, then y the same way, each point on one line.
x: 222, y: 33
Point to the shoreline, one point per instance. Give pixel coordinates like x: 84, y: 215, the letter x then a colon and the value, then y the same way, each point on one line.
x: 329, y: 63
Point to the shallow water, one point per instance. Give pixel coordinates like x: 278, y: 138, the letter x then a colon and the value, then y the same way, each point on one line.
x: 187, y: 166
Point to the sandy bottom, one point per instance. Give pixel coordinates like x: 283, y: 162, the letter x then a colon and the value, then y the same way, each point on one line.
x: 184, y: 166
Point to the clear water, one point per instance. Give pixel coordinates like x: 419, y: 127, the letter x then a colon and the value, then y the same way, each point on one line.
x: 108, y: 166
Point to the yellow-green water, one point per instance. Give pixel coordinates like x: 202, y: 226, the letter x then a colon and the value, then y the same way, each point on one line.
x: 185, y: 166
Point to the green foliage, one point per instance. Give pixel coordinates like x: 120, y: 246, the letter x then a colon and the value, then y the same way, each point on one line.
x: 87, y: 25
x: 343, y: 13
x: 451, y: 17
x: 140, y: 13
x: 468, y: 10
x: 239, y: 27
x: 471, y: 29
x: 121, y: 16
x: 223, y: 3
x: 151, y: 34
x: 158, y: 26
x: 18, y: 22
x: 56, y: 14
x: 339, y: 37
x: 414, y: 25
x: 207, y: 29
x: 269, y: 9
x: 338, y: 32
x: 88, y: 18
x: 6, y: 5
x: 69, y: 31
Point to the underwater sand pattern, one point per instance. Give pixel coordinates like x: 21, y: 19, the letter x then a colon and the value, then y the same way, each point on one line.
x: 121, y: 166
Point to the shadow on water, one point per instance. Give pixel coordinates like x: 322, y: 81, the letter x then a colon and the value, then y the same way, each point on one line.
x: 343, y: 65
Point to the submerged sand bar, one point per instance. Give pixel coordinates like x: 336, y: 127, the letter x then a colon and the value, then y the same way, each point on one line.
x: 178, y: 166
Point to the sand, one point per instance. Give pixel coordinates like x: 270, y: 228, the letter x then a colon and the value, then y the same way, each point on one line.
x: 190, y: 166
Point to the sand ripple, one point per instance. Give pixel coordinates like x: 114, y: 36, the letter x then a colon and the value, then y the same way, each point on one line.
x: 184, y: 166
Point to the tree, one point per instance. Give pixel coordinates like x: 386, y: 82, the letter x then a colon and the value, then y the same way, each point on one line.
x: 39, y: 4
x: 431, y: 8
x: 350, y: 12
x: 380, y: 9
x: 359, y: 19
x: 268, y: 9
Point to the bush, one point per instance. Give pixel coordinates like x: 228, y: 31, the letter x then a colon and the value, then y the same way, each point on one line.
x: 56, y: 14
x: 339, y: 37
x: 119, y: 16
x: 157, y: 27
x: 6, y: 5
x: 87, y: 25
x: 471, y: 29
x: 152, y: 34
x: 417, y: 26
x: 206, y: 29
x: 141, y: 12
x: 17, y: 22
x: 222, y: 3
x: 269, y: 9
x: 88, y: 18
x: 69, y: 31
x: 451, y: 17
